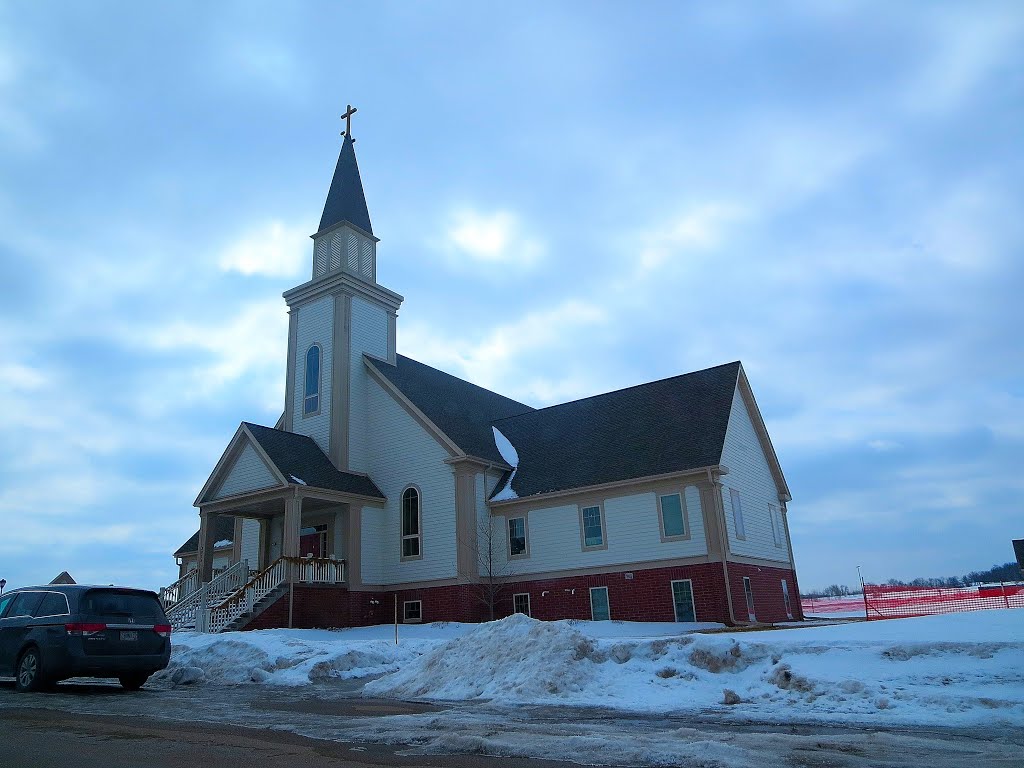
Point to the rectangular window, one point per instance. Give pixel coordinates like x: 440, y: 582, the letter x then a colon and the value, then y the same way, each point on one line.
x: 412, y: 611
x: 682, y: 600
x: 592, y: 520
x: 517, y: 537
x: 673, y: 516
x: 749, y: 592
x: 521, y: 602
x: 600, y: 610
x: 785, y: 599
x: 737, y: 513
x: 773, y: 515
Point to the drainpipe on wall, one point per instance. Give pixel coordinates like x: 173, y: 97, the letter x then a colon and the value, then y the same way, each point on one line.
x: 723, y: 535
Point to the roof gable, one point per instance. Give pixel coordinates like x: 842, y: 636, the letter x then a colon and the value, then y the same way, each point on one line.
x: 462, y: 411
x: 666, y: 426
x: 302, y: 462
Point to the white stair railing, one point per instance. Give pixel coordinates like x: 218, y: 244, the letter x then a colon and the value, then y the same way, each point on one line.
x: 182, y: 615
x: 245, y: 599
x: 302, y: 570
x: 182, y: 588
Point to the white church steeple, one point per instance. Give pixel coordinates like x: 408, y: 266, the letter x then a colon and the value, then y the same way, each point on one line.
x: 344, y: 240
x: 334, y: 319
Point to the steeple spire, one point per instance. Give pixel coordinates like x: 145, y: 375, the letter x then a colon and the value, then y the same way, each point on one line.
x: 345, y: 200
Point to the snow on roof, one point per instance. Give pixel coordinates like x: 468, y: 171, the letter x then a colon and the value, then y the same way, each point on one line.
x: 509, y: 453
x: 298, y: 480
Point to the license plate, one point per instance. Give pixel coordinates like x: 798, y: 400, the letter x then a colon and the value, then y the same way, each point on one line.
x: 130, y: 637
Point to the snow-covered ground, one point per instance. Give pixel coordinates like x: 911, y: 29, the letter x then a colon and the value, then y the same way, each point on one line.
x: 958, y: 669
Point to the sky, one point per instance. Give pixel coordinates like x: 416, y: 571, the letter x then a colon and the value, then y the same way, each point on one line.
x: 572, y: 197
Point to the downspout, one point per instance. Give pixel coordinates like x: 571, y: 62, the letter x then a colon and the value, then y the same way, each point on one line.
x: 723, y: 540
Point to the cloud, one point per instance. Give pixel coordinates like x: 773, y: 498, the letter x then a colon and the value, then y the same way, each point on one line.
x: 494, y: 360
x: 273, y: 249
x: 700, y: 228
x: 492, y: 238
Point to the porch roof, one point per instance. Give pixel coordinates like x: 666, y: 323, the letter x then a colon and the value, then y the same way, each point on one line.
x: 301, y: 461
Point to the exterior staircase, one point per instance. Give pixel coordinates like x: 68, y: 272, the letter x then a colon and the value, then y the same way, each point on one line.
x: 234, y: 597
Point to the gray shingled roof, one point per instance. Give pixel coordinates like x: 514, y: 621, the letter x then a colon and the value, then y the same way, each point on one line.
x: 665, y: 426
x: 298, y: 456
x: 345, y: 199
x: 463, y: 411
x: 224, y: 528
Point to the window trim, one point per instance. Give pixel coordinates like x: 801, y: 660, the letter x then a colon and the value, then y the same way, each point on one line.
x: 526, y: 535
x: 786, y: 599
x: 529, y: 608
x: 405, y: 612
x: 686, y: 535
x: 319, y: 380
x: 401, y: 524
x: 739, y: 525
x: 773, y: 516
x: 604, y: 527
x: 693, y: 599
x: 748, y: 596
x: 607, y: 599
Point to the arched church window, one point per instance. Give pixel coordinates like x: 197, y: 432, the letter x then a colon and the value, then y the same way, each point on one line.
x: 311, y: 401
x: 412, y: 536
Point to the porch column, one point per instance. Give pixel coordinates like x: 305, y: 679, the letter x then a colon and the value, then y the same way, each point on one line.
x: 353, y: 543
x: 292, y: 527
x: 236, y: 549
x: 207, y: 538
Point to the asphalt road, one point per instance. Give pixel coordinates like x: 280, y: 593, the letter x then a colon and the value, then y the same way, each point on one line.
x: 88, y: 723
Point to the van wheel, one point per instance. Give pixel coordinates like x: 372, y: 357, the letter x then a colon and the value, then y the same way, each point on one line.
x: 133, y: 682
x: 30, y: 672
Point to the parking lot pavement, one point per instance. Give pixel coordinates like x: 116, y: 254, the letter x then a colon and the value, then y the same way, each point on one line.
x: 96, y: 723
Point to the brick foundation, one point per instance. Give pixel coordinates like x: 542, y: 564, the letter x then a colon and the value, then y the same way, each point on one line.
x: 641, y: 595
x: 766, y: 584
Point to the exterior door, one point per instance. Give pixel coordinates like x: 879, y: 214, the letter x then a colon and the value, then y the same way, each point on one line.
x: 310, y: 544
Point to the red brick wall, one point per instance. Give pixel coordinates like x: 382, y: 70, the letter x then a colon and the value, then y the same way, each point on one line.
x: 316, y: 606
x: 647, y: 596
x: 766, y: 584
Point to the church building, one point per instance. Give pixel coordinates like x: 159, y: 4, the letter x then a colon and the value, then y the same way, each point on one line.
x: 390, y: 487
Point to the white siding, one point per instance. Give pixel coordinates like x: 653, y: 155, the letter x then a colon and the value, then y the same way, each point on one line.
x: 251, y: 542
x: 485, y: 484
x: 633, y: 535
x: 315, y: 325
x: 248, y: 474
x: 402, y: 453
x: 750, y: 475
x: 369, y: 333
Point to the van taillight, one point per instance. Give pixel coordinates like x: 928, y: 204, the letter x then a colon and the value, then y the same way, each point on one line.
x: 164, y: 630
x: 80, y: 629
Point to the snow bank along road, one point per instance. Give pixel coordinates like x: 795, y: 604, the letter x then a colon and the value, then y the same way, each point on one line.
x: 947, y: 687
x: 959, y: 669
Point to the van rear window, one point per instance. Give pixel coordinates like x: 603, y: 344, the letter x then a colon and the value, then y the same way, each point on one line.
x: 114, y: 603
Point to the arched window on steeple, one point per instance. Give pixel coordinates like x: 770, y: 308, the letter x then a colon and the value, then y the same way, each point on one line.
x: 311, y: 400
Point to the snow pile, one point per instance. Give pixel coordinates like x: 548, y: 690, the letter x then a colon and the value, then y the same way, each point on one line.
x: 957, y: 669
x: 961, y: 669
x: 287, y: 657
x: 514, y: 659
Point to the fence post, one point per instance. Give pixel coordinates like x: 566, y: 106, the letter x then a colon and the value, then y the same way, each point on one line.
x: 864, y: 594
x: 1002, y: 588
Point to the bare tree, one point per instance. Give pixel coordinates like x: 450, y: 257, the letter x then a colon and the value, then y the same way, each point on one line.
x: 490, y: 569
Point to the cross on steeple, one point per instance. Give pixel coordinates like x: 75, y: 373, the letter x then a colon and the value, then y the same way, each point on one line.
x: 347, y: 117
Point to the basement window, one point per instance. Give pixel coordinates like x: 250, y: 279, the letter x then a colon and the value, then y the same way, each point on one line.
x: 412, y: 611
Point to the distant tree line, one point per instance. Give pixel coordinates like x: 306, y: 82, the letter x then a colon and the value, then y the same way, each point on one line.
x: 1005, y: 572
